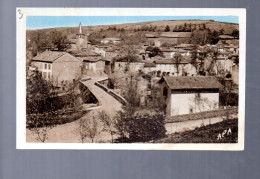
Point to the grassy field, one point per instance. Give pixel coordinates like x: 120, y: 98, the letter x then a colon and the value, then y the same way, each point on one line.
x: 212, y: 25
x: 222, y: 132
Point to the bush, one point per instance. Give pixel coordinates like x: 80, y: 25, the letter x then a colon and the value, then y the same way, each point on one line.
x: 143, y: 128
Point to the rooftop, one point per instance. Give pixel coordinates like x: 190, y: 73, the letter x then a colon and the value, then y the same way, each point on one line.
x: 226, y: 37
x: 176, y: 34
x: 89, y: 59
x: 191, y: 82
x: 112, y: 39
x: 48, y: 56
x: 84, y: 53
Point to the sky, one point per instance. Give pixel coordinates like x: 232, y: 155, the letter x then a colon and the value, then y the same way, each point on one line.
x: 41, y: 22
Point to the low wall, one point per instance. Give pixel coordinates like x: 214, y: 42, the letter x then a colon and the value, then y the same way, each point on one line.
x: 202, y: 115
x: 112, y: 93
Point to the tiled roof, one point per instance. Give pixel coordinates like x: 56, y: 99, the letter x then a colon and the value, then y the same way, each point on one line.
x: 191, y: 82
x: 184, y: 45
x: 85, y: 53
x: 226, y: 37
x: 89, y: 59
x: 185, y: 60
x: 176, y: 34
x: 112, y: 39
x: 48, y: 56
x: 151, y: 35
x: 147, y: 64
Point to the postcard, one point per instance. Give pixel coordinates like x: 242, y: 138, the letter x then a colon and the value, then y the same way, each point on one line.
x: 130, y: 78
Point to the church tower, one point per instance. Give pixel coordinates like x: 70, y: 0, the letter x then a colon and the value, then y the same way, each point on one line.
x: 80, y: 35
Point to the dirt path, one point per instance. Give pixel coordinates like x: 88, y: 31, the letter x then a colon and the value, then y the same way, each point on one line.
x: 67, y: 133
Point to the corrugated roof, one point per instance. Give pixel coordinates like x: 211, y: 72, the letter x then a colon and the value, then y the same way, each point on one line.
x: 48, y: 56
x: 192, y: 82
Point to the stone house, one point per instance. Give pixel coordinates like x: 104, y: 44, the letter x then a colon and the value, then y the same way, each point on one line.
x: 93, y: 63
x: 59, y: 67
x: 110, y: 40
x: 173, y: 68
x: 168, y: 37
x: 121, y: 65
x: 185, y: 95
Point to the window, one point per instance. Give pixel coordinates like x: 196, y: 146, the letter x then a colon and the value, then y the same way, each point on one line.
x: 191, y: 110
x: 49, y: 75
x: 198, y: 95
x: 44, y: 75
x: 49, y: 66
x: 45, y: 66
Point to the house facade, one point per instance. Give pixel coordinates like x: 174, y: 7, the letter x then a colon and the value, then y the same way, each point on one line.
x: 60, y: 68
x: 185, y: 95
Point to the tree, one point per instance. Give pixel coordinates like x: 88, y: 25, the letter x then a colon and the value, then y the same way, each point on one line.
x: 235, y: 33
x: 88, y: 128
x: 59, y: 41
x: 131, y: 95
x: 38, y: 115
x: 109, y: 123
x: 40, y: 40
x: 167, y: 28
x: 142, y: 127
x: 202, y: 37
x: 177, y: 58
x: 129, y: 53
x: 154, y: 51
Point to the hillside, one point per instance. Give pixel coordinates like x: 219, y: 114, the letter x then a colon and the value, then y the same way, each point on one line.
x: 212, y: 25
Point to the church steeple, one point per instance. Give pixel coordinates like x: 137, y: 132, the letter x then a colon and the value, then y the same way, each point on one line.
x: 80, y: 28
x: 80, y: 35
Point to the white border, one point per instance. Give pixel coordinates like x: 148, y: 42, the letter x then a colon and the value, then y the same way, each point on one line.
x: 21, y: 73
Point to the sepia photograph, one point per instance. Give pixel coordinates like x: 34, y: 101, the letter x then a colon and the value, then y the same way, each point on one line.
x: 114, y: 78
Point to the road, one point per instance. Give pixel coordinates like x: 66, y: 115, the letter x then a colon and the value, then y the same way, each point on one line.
x: 67, y: 133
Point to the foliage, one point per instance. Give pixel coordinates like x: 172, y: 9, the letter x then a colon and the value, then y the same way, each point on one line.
x: 40, y: 40
x: 141, y: 128
x: 235, y: 33
x: 201, y: 37
x: 108, y: 123
x: 167, y: 28
x: 154, y: 51
x: 45, y: 109
x: 88, y: 128
x: 183, y: 28
x: 177, y: 58
x: 151, y: 28
x: 37, y: 92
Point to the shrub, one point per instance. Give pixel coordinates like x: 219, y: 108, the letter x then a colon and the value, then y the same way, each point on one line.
x: 146, y: 127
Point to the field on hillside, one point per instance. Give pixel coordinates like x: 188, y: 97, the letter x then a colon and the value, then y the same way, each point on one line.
x: 222, y: 132
x: 212, y: 25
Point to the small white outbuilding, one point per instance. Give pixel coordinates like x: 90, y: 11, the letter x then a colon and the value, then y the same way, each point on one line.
x: 189, y: 94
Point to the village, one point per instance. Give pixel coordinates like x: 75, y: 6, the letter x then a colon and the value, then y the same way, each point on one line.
x: 187, y: 73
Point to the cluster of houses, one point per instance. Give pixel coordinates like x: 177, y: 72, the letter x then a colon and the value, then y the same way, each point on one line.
x: 181, y: 83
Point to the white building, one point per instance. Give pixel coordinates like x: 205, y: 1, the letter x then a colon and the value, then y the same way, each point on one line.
x: 185, y: 95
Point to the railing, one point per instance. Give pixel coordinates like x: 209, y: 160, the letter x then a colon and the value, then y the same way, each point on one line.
x: 112, y: 93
